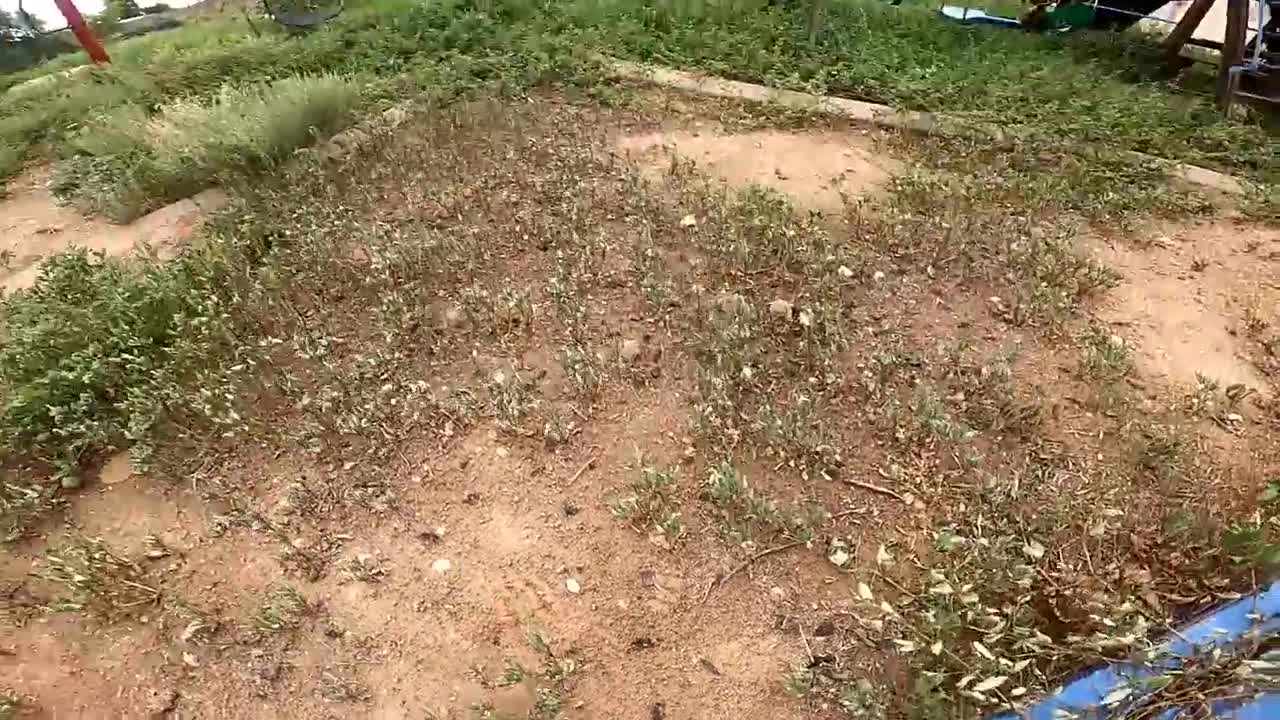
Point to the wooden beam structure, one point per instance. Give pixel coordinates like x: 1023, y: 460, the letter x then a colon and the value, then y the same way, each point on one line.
x: 1183, y: 31
x: 1233, y: 46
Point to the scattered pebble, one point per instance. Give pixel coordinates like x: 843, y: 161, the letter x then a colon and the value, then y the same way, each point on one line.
x: 572, y: 586
x: 845, y: 272
x: 878, y: 276
x: 442, y: 565
x: 781, y: 309
x: 630, y: 351
x: 72, y: 482
x: 688, y: 221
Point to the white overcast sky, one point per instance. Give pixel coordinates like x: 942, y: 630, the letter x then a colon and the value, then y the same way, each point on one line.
x: 47, y: 11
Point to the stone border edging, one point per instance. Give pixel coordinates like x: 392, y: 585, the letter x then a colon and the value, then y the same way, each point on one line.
x: 878, y: 115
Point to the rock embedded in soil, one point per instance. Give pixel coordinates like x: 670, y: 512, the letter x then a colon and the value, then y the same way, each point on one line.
x: 630, y: 351
x: 781, y: 309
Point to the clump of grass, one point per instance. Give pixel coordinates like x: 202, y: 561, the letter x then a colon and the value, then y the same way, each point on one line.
x: 95, y: 579
x: 284, y: 610
x: 1106, y: 356
x: 745, y: 516
x: 128, y: 161
x: 798, y: 437
x: 650, y: 505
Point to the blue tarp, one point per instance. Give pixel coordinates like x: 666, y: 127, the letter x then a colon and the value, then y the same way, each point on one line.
x: 1257, y: 615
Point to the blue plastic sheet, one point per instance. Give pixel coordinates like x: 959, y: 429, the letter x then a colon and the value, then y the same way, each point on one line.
x: 1257, y: 614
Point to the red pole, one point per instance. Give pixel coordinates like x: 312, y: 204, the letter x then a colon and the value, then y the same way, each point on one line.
x: 83, y: 33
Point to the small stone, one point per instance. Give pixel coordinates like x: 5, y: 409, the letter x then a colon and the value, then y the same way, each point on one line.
x: 72, y: 482
x: 454, y: 318
x: 630, y: 351
x: 442, y: 565
x: 160, y: 703
x: 781, y: 309
x: 778, y: 592
x: 730, y: 303
x: 688, y: 221
x: 845, y: 272
x: 190, y: 659
x: 878, y: 276
x: 572, y: 586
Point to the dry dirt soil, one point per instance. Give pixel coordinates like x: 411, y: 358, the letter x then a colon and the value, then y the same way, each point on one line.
x: 490, y: 575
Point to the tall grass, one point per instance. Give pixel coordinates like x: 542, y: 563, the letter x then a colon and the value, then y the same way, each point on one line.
x: 128, y: 161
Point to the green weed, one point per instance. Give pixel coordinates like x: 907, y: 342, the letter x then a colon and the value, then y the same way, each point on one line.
x: 128, y: 161
x: 284, y: 610
x: 97, y: 349
x: 650, y: 506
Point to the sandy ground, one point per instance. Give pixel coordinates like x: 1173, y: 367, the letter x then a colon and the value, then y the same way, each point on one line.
x: 496, y: 537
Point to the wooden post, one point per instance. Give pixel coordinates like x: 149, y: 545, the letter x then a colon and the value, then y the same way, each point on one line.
x: 1183, y: 31
x: 1232, y: 49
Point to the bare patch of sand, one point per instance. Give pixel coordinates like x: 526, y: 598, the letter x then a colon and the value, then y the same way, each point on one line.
x: 1192, y: 299
x: 33, y: 226
x: 816, y: 169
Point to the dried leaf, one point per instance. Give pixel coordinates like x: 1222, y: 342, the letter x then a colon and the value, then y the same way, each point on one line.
x: 990, y: 683
x: 905, y: 646
x: 942, y: 588
x: 983, y: 651
x: 1033, y: 550
x: 883, y: 557
x: 864, y: 592
x: 1117, y: 695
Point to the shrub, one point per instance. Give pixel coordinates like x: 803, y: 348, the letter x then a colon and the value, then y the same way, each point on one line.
x: 95, y: 353
x: 128, y: 161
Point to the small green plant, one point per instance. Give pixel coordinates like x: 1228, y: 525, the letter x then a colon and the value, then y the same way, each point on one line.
x: 798, y: 682
x: 510, y: 399
x: 98, y: 352
x: 96, y: 580
x: 745, y: 516
x: 650, y: 506
x: 1106, y: 356
x: 583, y: 368
x: 284, y: 610
x: 799, y: 436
